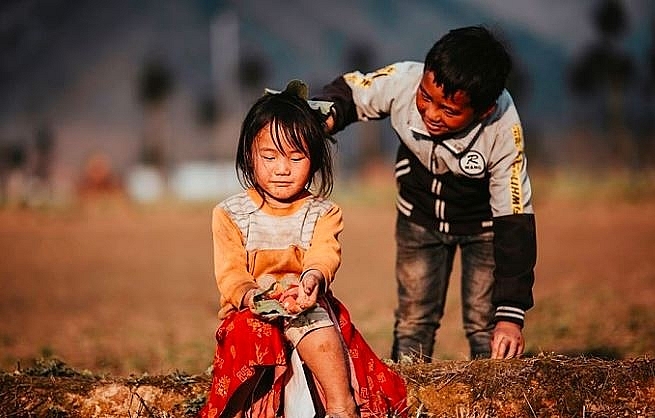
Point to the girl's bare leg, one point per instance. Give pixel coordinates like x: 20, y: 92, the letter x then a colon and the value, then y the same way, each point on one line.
x: 323, y: 353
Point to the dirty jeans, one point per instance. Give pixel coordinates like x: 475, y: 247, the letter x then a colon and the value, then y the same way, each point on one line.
x: 424, y: 261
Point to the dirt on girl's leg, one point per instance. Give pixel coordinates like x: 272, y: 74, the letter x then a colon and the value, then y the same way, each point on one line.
x: 323, y: 353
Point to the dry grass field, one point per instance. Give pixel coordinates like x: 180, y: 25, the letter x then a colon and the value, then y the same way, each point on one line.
x: 122, y: 289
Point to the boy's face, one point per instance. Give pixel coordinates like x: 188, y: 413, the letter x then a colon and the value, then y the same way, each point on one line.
x: 443, y: 115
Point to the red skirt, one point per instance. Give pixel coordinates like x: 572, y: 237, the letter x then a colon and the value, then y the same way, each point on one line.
x: 247, y: 345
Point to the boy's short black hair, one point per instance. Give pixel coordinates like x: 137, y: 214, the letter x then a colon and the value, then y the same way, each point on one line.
x: 473, y: 60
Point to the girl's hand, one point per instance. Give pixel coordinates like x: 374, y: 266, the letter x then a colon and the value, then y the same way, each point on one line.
x: 289, y: 300
x: 249, y: 300
x: 309, y: 289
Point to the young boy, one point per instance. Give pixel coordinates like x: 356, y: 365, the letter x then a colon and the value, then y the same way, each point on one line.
x: 462, y: 182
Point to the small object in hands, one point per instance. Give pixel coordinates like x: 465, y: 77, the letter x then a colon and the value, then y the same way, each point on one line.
x: 278, y: 300
x: 288, y: 299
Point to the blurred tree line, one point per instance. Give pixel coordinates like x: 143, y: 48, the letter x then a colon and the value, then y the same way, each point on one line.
x: 614, y: 93
x: 612, y: 89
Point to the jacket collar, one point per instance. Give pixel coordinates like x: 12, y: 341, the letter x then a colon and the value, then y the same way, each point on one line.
x: 458, y: 144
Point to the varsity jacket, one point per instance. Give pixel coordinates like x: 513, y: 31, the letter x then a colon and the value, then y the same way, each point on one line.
x: 471, y: 182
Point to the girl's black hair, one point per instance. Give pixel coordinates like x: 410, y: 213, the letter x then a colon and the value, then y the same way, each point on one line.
x: 472, y: 60
x: 289, y: 118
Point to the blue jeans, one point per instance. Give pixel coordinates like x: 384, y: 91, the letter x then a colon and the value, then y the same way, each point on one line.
x: 424, y: 261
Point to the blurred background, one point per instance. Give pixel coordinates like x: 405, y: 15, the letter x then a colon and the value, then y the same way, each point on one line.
x: 118, y: 127
x: 147, y: 96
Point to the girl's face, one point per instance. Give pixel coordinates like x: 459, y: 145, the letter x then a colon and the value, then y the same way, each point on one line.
x: 282, y: 174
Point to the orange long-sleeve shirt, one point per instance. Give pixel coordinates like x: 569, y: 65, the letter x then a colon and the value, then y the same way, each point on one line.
x: 252, y: 239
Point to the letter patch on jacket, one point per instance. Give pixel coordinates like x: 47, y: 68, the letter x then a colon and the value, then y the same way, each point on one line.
x: 472, y: 163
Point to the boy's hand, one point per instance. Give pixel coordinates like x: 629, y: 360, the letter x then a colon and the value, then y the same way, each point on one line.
x: 309, y: 288
x: 329, y: 124
x: 507, y: 341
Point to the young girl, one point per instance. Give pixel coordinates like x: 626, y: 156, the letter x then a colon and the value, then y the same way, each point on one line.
x: 276, y: 252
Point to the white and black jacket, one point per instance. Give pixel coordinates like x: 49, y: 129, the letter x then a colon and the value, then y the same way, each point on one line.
x: 472, y: 182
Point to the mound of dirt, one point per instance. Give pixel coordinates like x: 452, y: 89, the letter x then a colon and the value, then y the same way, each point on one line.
x: 542, y: 386
x: 52, y: 389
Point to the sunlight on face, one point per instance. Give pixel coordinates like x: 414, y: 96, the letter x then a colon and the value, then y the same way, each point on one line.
x: 442, y: 115
x: 282, y: 174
